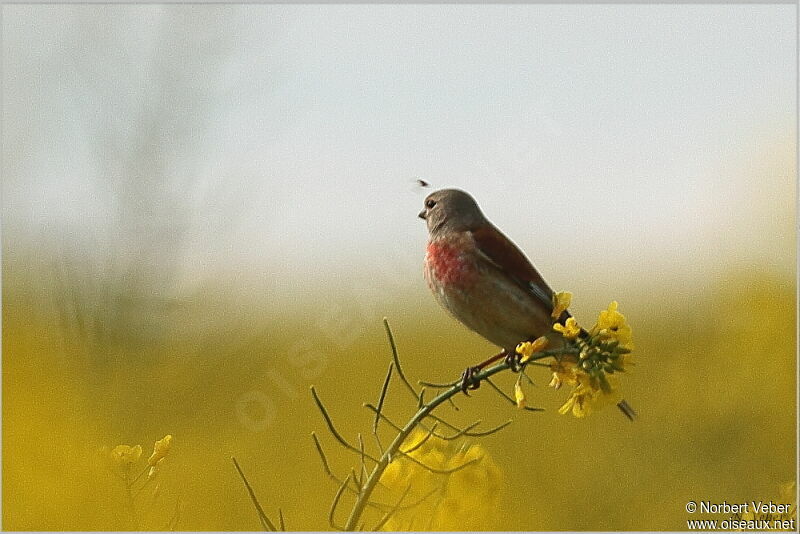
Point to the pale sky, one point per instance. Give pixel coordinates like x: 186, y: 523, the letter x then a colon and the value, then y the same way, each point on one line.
x: 285, y: 140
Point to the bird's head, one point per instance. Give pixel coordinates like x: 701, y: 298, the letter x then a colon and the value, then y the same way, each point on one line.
x: 451, y: 210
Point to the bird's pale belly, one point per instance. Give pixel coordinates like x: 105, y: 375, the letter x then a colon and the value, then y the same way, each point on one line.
x: 493, y: 306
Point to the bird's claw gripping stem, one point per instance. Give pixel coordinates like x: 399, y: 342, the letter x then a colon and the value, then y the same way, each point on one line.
x: 512, y: 359
x: 468, y: 379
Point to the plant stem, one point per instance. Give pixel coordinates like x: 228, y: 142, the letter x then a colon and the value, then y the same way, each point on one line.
x: 393, y: 450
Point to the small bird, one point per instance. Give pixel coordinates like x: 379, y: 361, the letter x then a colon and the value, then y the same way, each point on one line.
x: 484, y: 280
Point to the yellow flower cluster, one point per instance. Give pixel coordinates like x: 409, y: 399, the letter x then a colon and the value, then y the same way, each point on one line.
x: 585, y: 398
x: 469, y: 497
x: 611, y: 324
x: 569, y: 329
x: 123, y: 457
x: 529, y: 348
x: 602, y: 352
x: 564, y: 372
x: 160, y: 450
x: 561, y: 302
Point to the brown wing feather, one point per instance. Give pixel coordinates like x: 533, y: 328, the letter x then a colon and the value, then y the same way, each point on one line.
x: 507, y: 257
x: 510, y: 259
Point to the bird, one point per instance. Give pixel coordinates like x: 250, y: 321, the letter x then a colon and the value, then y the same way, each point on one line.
x: 484, y: 280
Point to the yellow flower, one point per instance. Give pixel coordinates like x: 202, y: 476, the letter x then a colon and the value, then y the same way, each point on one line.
x: 126, y: 455
x: 584, y: 398
x: 570, y: 330
x: 160, y: 450
x: 612, y: 324
x: 564, y: 371
x: 579, y: 403
x: 561, y: 302
x: 519, y: 395
x: 528, y: 348
x: 153, y: 471
x: 444, y: 502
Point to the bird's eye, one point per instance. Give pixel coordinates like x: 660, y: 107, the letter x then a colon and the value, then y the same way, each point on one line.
x: 430, y: 203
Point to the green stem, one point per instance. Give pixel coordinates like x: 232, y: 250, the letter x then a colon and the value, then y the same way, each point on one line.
x: 393, y: 450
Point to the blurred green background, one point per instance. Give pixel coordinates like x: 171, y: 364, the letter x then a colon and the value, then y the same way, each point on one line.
x: 208, y: 209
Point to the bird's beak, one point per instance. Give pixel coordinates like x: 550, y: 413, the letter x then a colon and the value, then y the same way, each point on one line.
x: 422, y: 215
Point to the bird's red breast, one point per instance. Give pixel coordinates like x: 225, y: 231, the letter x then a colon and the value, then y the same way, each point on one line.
x: 446, y: 264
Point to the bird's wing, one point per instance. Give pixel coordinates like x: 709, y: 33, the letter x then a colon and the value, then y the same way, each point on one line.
x: 500, y: 251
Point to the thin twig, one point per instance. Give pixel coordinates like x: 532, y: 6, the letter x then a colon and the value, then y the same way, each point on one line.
x: 355, y: 479
x: 481, y: 433
x: 453, y: 404
x: 335, y: 504
x: 451, y: 426
x: 362, y: 472
x: 508, y: 397
x: 398, y: 428
x: 321, y: 454
x: 424, y: 411
x: 391, y: 512
x: 422, y: 441
x: 332, y: 476
x: 396, y: 358
x: 140, y: 475
x: 468, y: 430
x: 442, y: 471
x: 280, y: 518
x: 421, y: 499
x: 461, y: 431
x: 529, y: 379
x: 332, y: 428
x: 391, y: 423
x: 265, y: 522
x: 437, y: 385
x: 382, y: 398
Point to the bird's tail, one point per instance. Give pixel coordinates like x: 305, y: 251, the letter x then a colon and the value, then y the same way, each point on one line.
x: 626, y: 410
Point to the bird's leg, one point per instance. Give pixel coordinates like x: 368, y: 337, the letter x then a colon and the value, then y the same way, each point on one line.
x: 512, y: 360
x: 467, y: 381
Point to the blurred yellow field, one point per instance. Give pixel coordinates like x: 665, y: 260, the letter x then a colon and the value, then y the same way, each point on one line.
x: 714, y: 386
